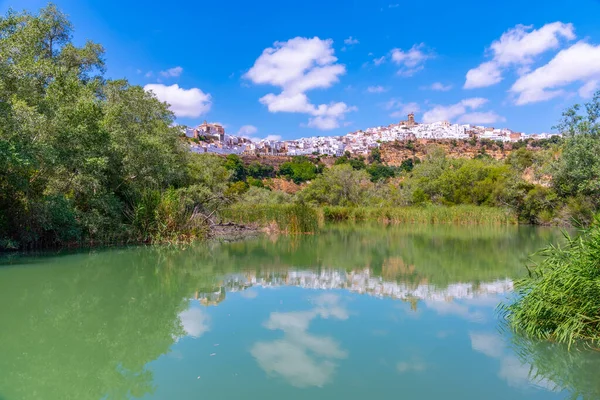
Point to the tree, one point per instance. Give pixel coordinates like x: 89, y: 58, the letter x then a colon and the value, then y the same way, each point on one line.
x: 299, y: 170
x: 577, y: 171
x: 80, y: 156
x: 380, y: 172
x: 375, y: 155
x: 235, y: 164
x: 339, y: 185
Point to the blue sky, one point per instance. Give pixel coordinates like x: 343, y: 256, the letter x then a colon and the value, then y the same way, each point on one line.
x: 307, y: 68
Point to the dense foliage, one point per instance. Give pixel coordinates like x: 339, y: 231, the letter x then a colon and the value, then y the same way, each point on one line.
x: 83, y: 158
x: 300, y: 169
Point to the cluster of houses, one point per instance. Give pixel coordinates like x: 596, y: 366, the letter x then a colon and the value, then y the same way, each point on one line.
x: 212, y: 138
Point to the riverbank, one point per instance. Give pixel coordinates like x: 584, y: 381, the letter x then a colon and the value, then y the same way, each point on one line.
x: 295, y: 218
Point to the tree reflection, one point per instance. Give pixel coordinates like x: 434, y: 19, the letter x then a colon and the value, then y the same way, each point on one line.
x: 85, y: 326
x: 575, y: 371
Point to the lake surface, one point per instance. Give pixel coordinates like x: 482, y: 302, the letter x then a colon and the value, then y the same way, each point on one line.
x: 354, y: 311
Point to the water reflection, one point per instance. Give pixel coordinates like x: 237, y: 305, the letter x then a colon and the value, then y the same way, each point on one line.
x: 397, y: 308
x: 302, y: 358
x: 362, y: 282
x: 515, y: 372
x: 195, y: 321
x: 576, y: 371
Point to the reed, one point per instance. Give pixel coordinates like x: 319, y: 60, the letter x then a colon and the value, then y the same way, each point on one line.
x: 560, y: 298
x: 287, y: 218
x: 462, y: 215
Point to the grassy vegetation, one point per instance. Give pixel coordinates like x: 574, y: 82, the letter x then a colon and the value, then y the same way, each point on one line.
x: 464, y: 214
x: 560, y: 298
x: 296, y: 218
x: 288, y: 218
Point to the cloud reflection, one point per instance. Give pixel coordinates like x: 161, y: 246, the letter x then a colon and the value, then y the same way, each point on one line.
x: 514, y: 372
x: 195, y: 322
x: 454, y: 308
x: 301, y: 358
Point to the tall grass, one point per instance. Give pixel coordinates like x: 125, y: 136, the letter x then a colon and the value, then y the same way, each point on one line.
x: 167, y: 217
x: 463, y: 214
x: 560, y: 299
x: 288, y: 218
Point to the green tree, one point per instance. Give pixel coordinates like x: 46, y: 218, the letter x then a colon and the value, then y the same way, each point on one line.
x: 375, y: 155
x: 577, y: 171
x: 238, y: 170
x: 300, y: 169
x: 78, y: 153
x: 339, y: 185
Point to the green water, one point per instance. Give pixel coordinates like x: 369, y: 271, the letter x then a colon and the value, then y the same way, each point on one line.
x: 392, y: 312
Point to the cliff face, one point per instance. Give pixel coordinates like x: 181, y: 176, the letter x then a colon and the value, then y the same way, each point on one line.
x: 393, y: 153
x: 283, y: 185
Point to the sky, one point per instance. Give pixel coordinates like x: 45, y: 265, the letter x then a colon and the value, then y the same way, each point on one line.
x: 319, y: 68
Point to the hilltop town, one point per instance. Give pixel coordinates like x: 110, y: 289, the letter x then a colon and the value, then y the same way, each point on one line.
x: 212, y: 138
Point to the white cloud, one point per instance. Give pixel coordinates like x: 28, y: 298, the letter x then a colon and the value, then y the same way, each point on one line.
x: 327, y: 117
x: 195, y: 322
x: 148, y: 74
x: 589, y: 89
x: 578, y: 63
x: 287, y: 102
x: 481, y: 118
x: 351, y: 41
x: 273, y: 137
x: 183, y: 102
x: 172, y: 72
x: 296, y: 63
x: 376, y: 89
x: 301, y: 358
x: 474, y: 102
x: 401, y: 109
x: 323, y: 123
x: 439, y: 87
x: 247, y: 130
x: 487, y: 74
x: 411, y: 61
x: 297, y: 66
x: 405, y: 109
x: 461, y: 112
x: 517, y: 47
x: 379, y: 61
x: 396, y: 5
